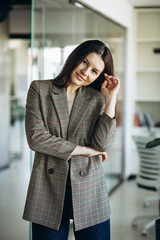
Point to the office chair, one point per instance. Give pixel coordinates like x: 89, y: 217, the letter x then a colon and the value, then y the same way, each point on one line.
x: 148, y: 176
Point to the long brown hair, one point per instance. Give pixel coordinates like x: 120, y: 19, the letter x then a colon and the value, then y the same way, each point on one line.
x: 77, y: 56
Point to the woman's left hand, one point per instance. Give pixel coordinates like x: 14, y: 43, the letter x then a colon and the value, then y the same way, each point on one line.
x: 110, y: 86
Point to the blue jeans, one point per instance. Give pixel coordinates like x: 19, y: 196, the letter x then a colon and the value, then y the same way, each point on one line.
x: 100, y: 231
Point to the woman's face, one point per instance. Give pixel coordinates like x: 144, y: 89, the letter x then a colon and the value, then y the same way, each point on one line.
x: 87, y: 71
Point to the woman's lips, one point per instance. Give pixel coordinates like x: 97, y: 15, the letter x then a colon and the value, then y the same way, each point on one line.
x: 80, y: 77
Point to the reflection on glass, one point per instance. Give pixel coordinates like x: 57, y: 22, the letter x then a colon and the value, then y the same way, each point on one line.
x: 58, y: 28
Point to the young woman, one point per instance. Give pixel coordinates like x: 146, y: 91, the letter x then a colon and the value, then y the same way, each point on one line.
x: 70, y: 124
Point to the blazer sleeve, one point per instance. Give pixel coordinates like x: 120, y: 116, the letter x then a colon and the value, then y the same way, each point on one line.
x: 103, y: 133
x: 38, y: 137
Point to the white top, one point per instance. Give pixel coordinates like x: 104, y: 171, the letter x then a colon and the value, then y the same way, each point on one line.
x: 70, y: 105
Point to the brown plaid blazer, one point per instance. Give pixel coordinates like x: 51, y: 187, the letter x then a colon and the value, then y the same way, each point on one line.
x: 53, y: 140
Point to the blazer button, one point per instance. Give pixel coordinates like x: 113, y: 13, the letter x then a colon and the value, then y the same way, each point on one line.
x: 50, y: 170
x: 82, y: 173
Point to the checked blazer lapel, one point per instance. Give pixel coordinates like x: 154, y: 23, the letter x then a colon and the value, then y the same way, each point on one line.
x: 79, y: 109
x: 59, y: 98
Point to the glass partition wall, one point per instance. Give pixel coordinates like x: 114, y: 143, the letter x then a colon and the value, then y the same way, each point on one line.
x: 57, y: 28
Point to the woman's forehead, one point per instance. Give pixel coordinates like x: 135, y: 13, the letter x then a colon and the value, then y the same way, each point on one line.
x: 95, y: 60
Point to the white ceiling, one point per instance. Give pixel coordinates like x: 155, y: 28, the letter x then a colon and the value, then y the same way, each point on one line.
x: 54, y: 4
x: 145, y: 3
x: 59, y: 4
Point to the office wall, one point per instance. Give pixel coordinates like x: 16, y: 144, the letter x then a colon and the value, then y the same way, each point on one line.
x: 4, y: 96
x: 19, y: 21
x: 21, y: 74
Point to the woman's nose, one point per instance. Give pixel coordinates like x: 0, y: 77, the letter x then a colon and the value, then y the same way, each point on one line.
x: 85, y: 71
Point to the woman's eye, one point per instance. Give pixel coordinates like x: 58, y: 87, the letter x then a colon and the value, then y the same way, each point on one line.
x: 94, y: 71
x: 84, y: 61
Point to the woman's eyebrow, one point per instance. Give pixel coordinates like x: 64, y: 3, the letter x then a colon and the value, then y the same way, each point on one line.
x: 94, y: 67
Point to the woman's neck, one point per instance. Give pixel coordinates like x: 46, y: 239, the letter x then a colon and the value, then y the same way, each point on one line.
x: 71, y: 92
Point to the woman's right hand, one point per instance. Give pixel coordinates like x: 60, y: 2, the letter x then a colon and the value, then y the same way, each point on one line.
x: 88, y: 152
